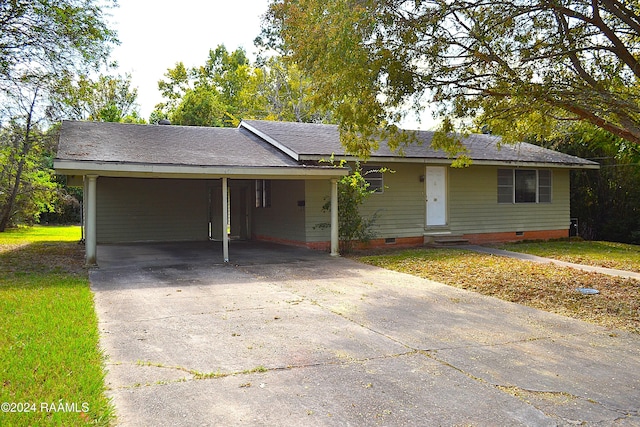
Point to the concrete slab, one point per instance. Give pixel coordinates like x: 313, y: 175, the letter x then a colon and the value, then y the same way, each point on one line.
x: 288, y: 336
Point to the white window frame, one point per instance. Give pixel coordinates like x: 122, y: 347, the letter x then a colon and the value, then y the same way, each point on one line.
x: 507, y: 186
x: 374, y: 177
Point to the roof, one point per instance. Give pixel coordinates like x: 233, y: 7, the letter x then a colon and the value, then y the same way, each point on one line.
x: 256, y: 147
x: 101, y: 147
x: 306, y: 141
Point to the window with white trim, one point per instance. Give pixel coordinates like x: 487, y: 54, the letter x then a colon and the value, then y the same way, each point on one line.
x: 524, y: 186
x: 373, y: 175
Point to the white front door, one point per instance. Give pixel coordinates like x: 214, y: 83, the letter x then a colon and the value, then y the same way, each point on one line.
x: 436, y: 194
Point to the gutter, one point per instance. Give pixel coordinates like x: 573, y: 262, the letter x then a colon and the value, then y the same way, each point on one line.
x: 142, y: 170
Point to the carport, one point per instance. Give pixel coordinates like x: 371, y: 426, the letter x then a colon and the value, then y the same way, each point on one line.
x: 175, y: 159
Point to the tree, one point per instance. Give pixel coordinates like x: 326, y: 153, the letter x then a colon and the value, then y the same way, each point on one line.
x: 280, y: 91
x: 25, y: 187
x: 605, y: 201
x: 49, y: 37
x: 229, y: 88
x: 40, y: 42
x: 106, y: 99
x: 208, y: 95
x: 520, y: 67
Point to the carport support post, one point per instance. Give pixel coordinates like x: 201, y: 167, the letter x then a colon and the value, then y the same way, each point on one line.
x: 90, y: 221
x: 335, y: 250
x: 225, y: 219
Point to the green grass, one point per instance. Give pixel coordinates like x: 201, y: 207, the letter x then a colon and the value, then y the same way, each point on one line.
x: 604, y: 254
x: 543, y: 286
x: 49, y: 350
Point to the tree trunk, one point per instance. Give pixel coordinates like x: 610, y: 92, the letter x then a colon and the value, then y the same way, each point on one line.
x: 5, y: 215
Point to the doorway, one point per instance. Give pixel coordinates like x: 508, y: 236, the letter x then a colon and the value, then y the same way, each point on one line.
x: 436, y: 196
x: 238, y: 199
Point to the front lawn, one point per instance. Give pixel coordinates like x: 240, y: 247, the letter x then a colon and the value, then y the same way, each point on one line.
x: 52, y: 368
x: 603, y: 254
x: 543, y: 286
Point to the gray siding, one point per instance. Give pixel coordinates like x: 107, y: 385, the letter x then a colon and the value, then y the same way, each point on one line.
x: 317, y: 194
x: 472, y: 204
x: 400, y: 208
x: 284, y: 219
x: 134, y: 210
x: 474, y: 207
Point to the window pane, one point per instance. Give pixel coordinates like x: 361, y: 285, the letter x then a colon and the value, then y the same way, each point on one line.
x: 544, y: 186
x: 526, y: 186
x: 373, y: 176
x: 505, y: 185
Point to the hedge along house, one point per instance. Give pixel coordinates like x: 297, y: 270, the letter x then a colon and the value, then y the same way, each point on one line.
x: 151, y: 183
x: 265, y: 181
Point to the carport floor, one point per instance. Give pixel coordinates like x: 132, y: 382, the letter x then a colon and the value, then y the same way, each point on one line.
x: 288, y: 336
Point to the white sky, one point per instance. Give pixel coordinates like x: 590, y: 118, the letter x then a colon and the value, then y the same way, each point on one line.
x: 156, y: 34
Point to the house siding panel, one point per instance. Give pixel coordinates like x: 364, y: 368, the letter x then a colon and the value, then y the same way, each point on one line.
x: 473, y: 205
x: 317, y: 194
x: 137, y: 210
x: 284, y: 220
x: 400, y: 208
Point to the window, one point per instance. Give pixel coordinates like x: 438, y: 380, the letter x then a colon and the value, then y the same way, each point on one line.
x: 373, y: 176
x: 524, y: 186
x: 263, y: 193
x: 544, y: 186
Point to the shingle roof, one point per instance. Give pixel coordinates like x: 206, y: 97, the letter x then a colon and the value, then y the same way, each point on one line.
x: 320, y: 140
x: 166, y: 145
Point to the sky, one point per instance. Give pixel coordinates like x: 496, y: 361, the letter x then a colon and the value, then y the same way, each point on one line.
x: 156, y: 34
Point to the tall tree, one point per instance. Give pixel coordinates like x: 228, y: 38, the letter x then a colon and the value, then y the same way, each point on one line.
x: 521, y: 67
x: 51, y: 36
x: 106, y: 98
x: 606, y: 202
x: 25, y: 187
x: 280, y: 91
x: 41, y: 41
x: 228, y: 88
x: 208, y: 95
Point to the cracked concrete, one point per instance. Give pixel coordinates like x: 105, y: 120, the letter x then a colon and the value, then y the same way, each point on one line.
x: 287, y: 336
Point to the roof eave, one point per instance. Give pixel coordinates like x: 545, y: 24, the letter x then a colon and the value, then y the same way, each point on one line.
x: 143, y: 170
x: 444, y: 161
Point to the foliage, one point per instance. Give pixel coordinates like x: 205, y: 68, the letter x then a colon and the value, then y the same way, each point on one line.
x: 605, y: 201
x: 543, y: 286
x: 353, y: 190
x: 281, y: 92
x: 25, y: 186
x: 209, y: 95
x: 42, y: 43
x: 45, y: 37
x: 49, y: 335
x: 521, y: 67
x: 229, y: 88
x: 104, y: 99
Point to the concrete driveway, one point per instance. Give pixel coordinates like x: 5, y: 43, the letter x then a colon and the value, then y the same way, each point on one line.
x: 286, y: 336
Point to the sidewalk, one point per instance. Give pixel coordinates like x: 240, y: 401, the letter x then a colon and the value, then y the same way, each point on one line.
x: 534, y: 258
